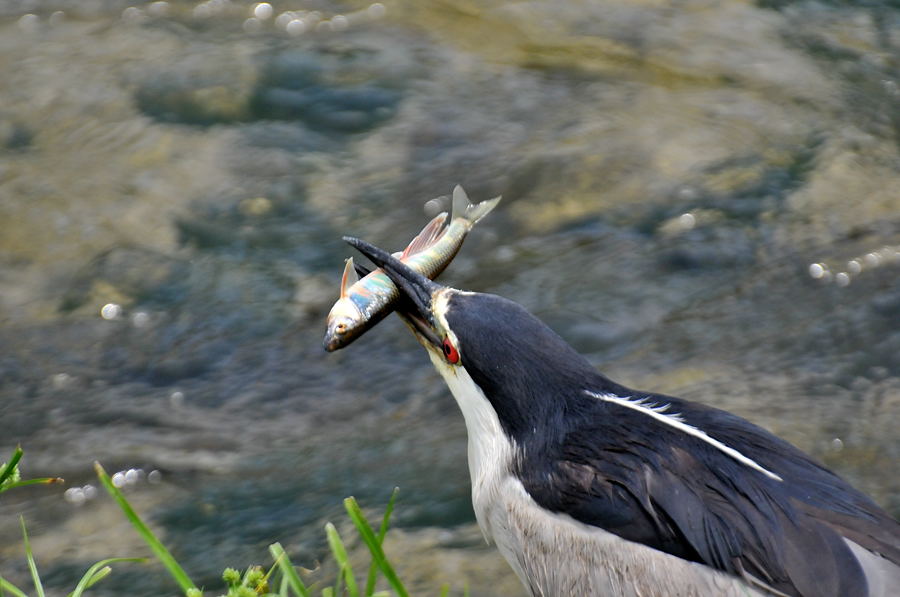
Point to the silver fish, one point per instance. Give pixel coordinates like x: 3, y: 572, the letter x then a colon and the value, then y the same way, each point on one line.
x: 364, y: 302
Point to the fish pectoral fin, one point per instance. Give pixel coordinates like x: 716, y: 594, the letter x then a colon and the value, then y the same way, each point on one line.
x: 463, y: 208
x: 349, y: 278
x: 429, y: 234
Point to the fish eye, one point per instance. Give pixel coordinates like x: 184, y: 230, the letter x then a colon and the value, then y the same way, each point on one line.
x: 340, y: 328
x: 450, y: 352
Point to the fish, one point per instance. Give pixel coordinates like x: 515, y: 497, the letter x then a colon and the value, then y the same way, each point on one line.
x: 366, y: 300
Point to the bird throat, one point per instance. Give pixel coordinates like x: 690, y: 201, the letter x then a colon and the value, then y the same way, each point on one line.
x: 490, y: 449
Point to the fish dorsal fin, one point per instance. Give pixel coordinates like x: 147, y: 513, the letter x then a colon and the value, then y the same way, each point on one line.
x: 463, y: 208
x: 349, y: 278
x: 361, y: 270
x: 431, y: 232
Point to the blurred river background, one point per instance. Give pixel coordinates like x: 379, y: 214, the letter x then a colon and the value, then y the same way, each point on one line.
x: 702, y: 196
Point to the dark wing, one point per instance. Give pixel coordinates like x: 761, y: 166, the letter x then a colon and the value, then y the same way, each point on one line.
x: 651, y: 483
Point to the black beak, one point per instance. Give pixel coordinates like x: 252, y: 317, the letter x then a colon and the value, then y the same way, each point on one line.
x: 417, y: 288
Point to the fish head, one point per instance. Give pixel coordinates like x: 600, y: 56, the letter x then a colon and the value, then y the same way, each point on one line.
x: 342, y: 324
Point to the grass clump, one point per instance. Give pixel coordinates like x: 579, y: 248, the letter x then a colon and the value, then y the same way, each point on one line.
x: 10, y: 476
x: 281, y: 579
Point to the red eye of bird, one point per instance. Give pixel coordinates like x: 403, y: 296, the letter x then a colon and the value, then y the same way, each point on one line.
x: 450, y: 351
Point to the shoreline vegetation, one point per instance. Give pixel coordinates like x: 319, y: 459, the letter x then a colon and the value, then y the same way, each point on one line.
x: 280, y: 579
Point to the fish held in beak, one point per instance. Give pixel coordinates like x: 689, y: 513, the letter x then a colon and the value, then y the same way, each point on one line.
x: 417, y: 289
x: 367, y: 297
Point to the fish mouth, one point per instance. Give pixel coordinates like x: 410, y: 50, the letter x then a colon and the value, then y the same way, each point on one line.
x: 333, y: 339
x: 416, y: 290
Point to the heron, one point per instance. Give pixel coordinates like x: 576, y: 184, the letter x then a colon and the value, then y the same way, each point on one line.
x: 588, y: 487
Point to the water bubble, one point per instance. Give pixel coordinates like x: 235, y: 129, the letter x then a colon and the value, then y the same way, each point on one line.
x: 687, y: 221
x: 118, y: 479
x: 217, y: 6
x: 140, y: 319
x: 817, y: 271
x: 252, y: 25
x: 28, y: 22
x: 842, y: 279
x: 154, y: 476
x: 504, y: 253
x: 376, y: 11
x: 872, y: 259
x: 837, y: 444
x: 339, y: 23
x: 257, y: 206
x: 89, y: 491
x: 132, y: 14
x: 687, y: 193
x: 57, y: 17
x: 854, y: 266
x: 282, y: 20
x: 296, y: 27
x: 110, y: 311
x: 74, y: 495
x: 158, y: 9
x: 203, y: 11
x: 176, y: 398
x: 61, y: 381
x: 262, y: 11
x: 433, y: 207
x: 323, y: 26
x: 131, y: 476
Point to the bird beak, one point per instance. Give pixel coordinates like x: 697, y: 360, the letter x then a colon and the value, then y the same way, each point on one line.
x: 413, y: 285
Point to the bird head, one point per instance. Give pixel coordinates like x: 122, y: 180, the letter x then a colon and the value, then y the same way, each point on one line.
x: 424, y: 306
x: 521, y: 366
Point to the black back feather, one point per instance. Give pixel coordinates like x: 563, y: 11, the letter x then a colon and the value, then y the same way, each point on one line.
x: 613, y: 467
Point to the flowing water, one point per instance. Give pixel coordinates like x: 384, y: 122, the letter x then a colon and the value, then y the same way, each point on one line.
x: 703, y: 197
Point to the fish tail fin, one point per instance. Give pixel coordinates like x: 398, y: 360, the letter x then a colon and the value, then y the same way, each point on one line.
x: 430, y: 233
x: 462, y: 207
x: 349, y: 278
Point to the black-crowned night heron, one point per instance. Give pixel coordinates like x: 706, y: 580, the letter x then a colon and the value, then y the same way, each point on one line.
x: 590, y: 488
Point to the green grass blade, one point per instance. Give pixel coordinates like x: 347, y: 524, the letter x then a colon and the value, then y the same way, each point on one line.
x: 338, y: 588
x: 445, y: 590
x: 371, y: 541
x: 287, y: 570
x: 328, y: 592
x: 5, y: 585
x: 38, y: 588
x: 39, y: 481
x: 144, y: 531
x: 269, y: 573
x: 245, y: 578
x: 340, y: 554
x: 10, y: 467
x: 92, y: 576
x: 97, y: 577
x: 382, y: 531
